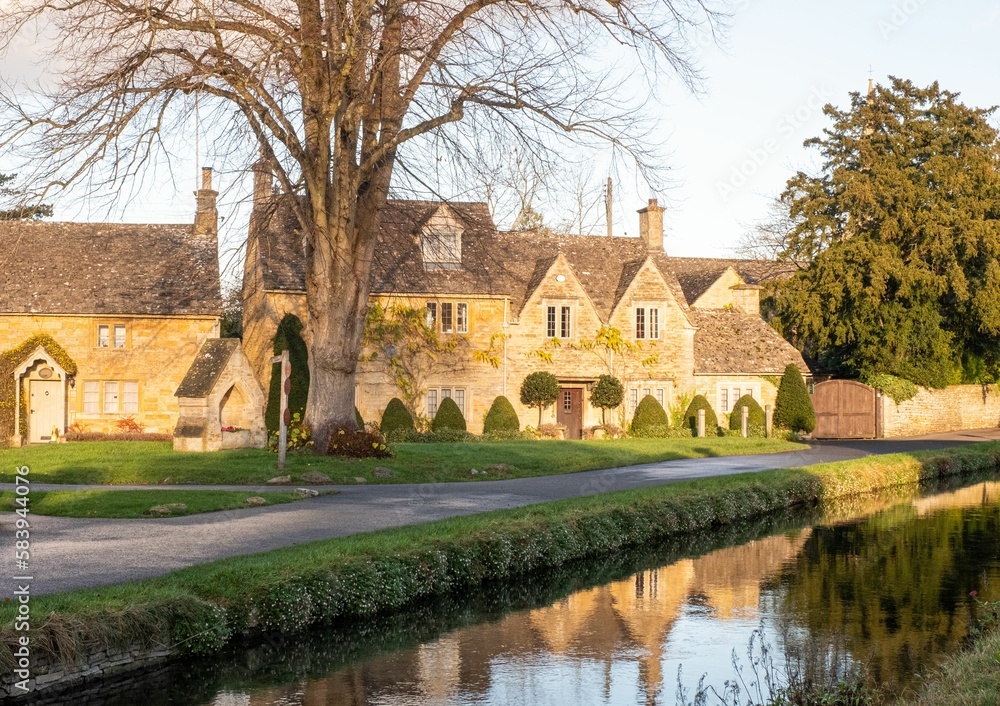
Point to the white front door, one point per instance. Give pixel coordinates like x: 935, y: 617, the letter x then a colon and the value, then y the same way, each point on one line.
x: 45, y: 409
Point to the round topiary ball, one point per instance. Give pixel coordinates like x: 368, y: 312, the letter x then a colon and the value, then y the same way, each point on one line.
x: 396, y: 418
x: 649, y: 415
x: 756, y: 419
x: 691, y: 416
x: 501, y: 418
x: 448, y: 416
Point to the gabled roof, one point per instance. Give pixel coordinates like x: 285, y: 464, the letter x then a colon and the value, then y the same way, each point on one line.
x: 730, y: 342
x: 697, y: 274
x: 102, y: 268
x: 207, y: 367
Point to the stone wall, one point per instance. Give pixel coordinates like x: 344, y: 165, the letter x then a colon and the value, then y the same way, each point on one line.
x: 157, y: 354
x: 950, y: 409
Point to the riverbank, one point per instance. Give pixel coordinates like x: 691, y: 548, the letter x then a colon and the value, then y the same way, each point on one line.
x: 198, y: 610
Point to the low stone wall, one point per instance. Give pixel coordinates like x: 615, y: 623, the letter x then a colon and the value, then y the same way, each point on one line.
x: 933, y: 411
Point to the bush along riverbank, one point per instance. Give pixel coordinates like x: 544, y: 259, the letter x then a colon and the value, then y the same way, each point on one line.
x: 199, y: 609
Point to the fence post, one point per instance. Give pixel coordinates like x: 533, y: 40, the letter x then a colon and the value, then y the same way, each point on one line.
x: 701, y: 423
x: 284, y: 416
x: 745, y: 426
x: 768, y: 421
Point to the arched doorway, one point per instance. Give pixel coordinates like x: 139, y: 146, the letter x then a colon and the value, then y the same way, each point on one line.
x: 42, y: 383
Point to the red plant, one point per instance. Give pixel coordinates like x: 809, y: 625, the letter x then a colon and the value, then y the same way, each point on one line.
x: 129, y: 425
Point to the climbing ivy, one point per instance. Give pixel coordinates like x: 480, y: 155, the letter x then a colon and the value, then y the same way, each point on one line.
x: 9, y: 360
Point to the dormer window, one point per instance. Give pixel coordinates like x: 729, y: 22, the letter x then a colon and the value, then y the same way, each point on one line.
x: 441, y: 241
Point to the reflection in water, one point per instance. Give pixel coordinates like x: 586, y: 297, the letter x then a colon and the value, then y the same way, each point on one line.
x: 891, y: 589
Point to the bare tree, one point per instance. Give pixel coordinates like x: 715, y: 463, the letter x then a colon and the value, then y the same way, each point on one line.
x: 330, y: 92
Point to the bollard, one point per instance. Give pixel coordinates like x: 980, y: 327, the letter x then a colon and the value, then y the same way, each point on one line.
x: 746, y: 421
x: 701, y: 423
x: 768, y: 420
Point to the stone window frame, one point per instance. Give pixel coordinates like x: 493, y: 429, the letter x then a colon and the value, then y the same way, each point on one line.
x: 652, y: 323
x: 563, y: 328
x: 112, y: 327
x: 662, y: 390
x: 732, y: 388
x: 100, y: 402
x: 434, y: 316
x: 437, y: 392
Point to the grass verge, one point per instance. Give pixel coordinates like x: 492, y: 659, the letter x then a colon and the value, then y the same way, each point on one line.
x: 146, y: 463
x: 125, y: 504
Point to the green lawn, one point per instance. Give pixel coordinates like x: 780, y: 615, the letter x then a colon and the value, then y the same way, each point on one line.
x: 135, y: 503
x: 137, y: 462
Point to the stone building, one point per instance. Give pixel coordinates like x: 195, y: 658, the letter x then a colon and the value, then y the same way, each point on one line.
x: 128, y: 305
x: 517, y: 302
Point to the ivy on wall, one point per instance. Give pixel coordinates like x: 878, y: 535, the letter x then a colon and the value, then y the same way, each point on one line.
x: 9, y: 360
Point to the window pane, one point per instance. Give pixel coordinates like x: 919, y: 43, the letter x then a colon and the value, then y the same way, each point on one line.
x: 91, y: 397
x: 447, y: 322
x: 567, y: 401
x: 550, y: 322
x: 111, y: 398
x: 640, y: 323
x: 633, y: 399
x: 659, y: 395
x: 724, y: 400
x: 119, y: 336
x: 654, y: 323
x: 103, y: 336
x: 432, y: 402
x: 431, y: 317
x: 445, y: 392
x: 564, y: 324
x: 646, y: 392
x: 736, y: 395
x: 460, y: 399
x: 462, y: 318
x: 130, y: 398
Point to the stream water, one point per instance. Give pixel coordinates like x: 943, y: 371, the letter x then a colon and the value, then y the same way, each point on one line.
x: 880, y: 581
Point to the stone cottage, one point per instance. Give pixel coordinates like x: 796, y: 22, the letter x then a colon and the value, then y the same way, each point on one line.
x: 524, y: 301
x: 123, y: 309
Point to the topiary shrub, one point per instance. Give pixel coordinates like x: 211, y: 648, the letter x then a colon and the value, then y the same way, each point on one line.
x: 358, y: 419
x: 448, y: 416
x: 396, y: 420
x: 539, y: 389
x: 793, y: 408
x: 649, y: 415
x: 288, y: 337
x: 502, y: 418
x: 691, y: 416
x: 756, y: 420
x: 608, y: 393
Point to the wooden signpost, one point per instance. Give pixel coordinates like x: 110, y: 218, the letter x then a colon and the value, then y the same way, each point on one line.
x: 285, y: 417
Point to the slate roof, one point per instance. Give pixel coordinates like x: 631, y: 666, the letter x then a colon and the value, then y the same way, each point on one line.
x: 208, y: 365
x: 730, y: 342
x: 101, y: 268
x: 697, y: 274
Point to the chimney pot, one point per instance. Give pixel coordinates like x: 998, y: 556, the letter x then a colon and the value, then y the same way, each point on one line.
x: 651, y: 226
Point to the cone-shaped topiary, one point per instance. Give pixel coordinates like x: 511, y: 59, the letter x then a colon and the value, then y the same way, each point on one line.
x: 691, y: 416
x: 648, y: 416
x: 448, y: 416
x: 793, y: 409
x: 396, y: 418
x: 608, y: 393
x: 501, y: 417
x: 288, y: 338
x: 756, y: 419
x: 359, y: 419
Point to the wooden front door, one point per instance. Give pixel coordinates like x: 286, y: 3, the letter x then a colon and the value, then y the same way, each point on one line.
x: 844, y: 410
x: 45, y: 409
x: 569, y: 411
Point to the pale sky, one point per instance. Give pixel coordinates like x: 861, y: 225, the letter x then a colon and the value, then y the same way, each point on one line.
x: 732, y: 146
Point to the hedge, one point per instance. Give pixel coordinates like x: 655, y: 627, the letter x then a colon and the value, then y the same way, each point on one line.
x: 502, y: 418
x: 691, y: 416
x: 396, y: 419
x: 756, y: 419
x: 649, y: 414
x: 448, y: 416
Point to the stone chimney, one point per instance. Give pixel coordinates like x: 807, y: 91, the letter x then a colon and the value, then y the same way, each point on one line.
x: 746, y: 299
x: 263, y: 182
x: 206, y: 217
x: 651, y: 226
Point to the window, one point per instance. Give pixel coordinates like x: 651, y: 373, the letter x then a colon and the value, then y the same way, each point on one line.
x: 647, y: 322
x: 659, y: 397
x: 460, y: 399
x: 111, y: 397
x: 436, y: 395
x: 567, y: 401
x: 119, y: 335
x: 660, y: 390
x: 432, y: 402
x: 729, y: 395
x: 633, y: 399
x: 447, y: 322
x: 441, y: 248
x: 640, y: 322
x: 550, y: 322
x: 103, y: 336
x: 462, y: 317
x: 565, y: 330
x: 431, y: 317
x: 91, y: 397
x: 654, y: 323
x: 130, y: 398
x: 724, y: 400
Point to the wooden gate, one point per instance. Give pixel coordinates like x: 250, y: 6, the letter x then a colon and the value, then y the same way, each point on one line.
x: 844, y: 410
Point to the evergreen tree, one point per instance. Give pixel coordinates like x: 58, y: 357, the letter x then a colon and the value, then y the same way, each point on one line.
x: 539, y: 389
x: 288, y: 338
x: 900, y: 230
x: 20, y: 211
x: 502, y: 417
x: 607, y: 394
x: 793, y: 407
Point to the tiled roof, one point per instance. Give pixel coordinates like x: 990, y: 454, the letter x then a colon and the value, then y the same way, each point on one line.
x: 207, y: 367
x: 730, y: 342
x: 100, y: 268
x: 697, y: 274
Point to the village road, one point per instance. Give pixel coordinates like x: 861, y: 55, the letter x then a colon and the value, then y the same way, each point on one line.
x: 71, y: 553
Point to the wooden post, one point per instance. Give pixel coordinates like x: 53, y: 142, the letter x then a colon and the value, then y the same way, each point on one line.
x: 745, y: 426
x: 701, y: 423
x: 284, y: 416
x: 768, y: 421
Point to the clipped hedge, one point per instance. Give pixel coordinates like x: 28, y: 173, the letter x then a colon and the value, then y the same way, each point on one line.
x: 649, y: 415
x: 502, y: 418
x: 198, y: 610
x: 793, y: 408
x: 448, y: 416
x: 691, y: 416
x: 9, y: 360
x: 396, y: 419
x: 756, y: 420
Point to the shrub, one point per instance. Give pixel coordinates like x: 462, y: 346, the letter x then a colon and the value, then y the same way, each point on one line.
x: 607, y: 394
x: 448, y: 416
x: 359, y: 420
x: 501, y: 418
x: 552, y: 431
x: 358, y: 443
x: 396, y: 419
x: 648, y: 414
x: 793, y: 409
x: 128, y: 425
x: 539, y: 389
x: 756, y: 420
x: 691, y: 416
x: 897, y: 389
x: 288, y: 337
x: 299, y: 435
x: 117, y: 436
